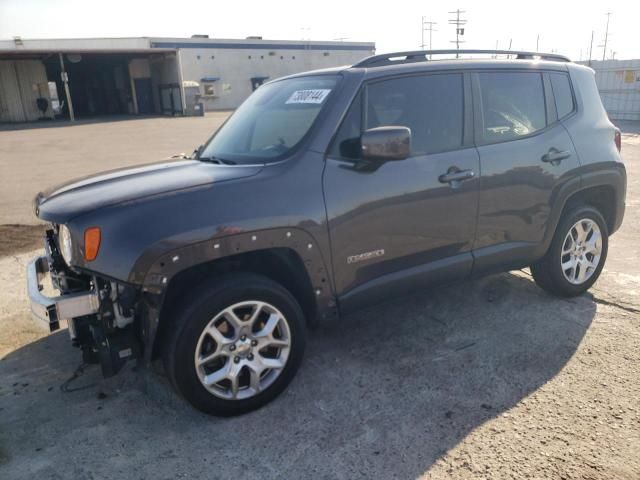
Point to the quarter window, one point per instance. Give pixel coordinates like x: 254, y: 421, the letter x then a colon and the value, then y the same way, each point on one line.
x: 512, y: 105
x: 562, y: 93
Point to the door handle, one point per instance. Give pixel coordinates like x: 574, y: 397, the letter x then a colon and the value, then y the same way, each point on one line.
x: 555, y: 156
x: 454, y: 176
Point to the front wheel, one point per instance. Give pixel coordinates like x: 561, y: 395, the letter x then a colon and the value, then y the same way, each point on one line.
x: 577, y: 253
x: 236, y: 344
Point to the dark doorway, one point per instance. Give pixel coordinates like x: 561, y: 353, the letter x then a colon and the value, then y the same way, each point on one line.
x: 144, y: 95
x: 99, y: 84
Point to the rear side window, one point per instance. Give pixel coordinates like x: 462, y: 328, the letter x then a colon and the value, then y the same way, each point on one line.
x: 512, y: 105
x: 430, y: 105
x: 562, y: 93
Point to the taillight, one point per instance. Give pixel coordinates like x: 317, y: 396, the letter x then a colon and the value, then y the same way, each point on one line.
x: 618, y: 140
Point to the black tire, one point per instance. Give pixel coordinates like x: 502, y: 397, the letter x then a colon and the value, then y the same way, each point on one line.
x: 194, y: 314
x: 547, y: 272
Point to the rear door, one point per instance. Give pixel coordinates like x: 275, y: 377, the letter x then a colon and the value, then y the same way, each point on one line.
x: 403, y: 223
x: 526, y: 156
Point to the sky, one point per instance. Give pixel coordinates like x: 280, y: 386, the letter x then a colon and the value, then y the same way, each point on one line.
x: 562, y: 26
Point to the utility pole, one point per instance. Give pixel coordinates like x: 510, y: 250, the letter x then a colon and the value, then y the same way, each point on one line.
x: 429, y: 28
x: 538, y: 43
x: 459, y: 23
x: 591, y: 48
x: 606, y: 37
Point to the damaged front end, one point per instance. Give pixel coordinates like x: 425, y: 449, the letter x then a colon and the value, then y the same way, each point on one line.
x: 100, y: 313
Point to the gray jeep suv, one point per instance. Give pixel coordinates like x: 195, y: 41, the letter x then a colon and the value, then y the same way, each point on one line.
x: 325, y: 192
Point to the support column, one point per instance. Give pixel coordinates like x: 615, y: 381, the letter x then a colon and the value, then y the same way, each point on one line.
x: 133, y: 88
x: 65, y: 80
x: 181, y: 80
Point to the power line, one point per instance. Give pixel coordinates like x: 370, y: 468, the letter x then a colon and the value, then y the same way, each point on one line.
x: 459, y: 23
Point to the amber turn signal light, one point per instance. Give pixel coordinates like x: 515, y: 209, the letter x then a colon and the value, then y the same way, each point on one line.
x: 91, y: 243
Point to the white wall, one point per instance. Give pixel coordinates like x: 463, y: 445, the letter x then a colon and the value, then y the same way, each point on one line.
x: 236, y: 66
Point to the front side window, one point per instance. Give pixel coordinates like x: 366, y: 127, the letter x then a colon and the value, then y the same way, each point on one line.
x: 512, y: 105
x: 430, y: 105
x: 562, y: 93
x: 272, y: 121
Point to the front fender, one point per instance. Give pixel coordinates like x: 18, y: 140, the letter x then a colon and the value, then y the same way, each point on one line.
x: 165, y: 267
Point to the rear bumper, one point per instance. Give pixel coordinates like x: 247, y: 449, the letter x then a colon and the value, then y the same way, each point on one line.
x: 49, y: 311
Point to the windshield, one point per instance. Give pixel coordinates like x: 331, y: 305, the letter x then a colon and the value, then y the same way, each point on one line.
x: 271, y: 122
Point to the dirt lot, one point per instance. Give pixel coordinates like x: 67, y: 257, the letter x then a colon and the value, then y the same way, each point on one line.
x: 47, y: 154
x: 488, y: 379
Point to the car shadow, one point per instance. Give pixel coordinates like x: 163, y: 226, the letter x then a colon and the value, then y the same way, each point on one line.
x: 383, y: 393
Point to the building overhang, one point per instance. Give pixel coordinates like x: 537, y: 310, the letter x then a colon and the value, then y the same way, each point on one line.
x: 30, y: 54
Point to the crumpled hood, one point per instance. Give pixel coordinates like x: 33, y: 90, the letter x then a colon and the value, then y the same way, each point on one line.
x: 75, y: 198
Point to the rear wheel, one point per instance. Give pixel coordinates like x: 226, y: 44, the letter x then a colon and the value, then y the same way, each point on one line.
x: 237, y: 343
x: 577, y: 253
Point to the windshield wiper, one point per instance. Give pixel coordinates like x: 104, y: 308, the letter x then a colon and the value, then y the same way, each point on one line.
x: 219, y: 161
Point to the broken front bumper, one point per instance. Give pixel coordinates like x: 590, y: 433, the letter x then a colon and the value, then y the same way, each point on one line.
x: 49, y: 311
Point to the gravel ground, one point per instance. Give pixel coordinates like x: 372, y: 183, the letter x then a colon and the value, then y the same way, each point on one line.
x: 41, y: 155
x: 487, y: 379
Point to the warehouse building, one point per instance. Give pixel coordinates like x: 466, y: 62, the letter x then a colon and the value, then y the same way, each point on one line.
x: 84, y: 78
x: 619, y: 86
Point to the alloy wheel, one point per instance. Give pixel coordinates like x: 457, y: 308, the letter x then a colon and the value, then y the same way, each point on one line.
x: 581, y: 251
x: 243, y: 350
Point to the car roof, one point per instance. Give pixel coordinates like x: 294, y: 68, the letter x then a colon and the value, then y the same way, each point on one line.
x: 397, y: 63
x: 440, y: 65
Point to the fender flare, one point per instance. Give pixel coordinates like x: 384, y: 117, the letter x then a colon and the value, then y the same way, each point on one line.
x: 166, y: 266
x: 609, y: 177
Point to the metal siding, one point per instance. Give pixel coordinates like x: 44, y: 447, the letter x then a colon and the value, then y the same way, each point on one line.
x: 620, y: 97
x: 10, y: 101
x: 32, y: 78
x: 19, y: 80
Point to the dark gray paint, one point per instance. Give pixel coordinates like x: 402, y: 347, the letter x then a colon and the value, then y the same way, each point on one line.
x: 503, y: 216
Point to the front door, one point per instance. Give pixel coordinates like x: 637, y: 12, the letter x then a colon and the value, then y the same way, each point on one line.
x: 403, y: 223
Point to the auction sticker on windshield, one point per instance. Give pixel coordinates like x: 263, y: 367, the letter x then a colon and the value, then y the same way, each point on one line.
x: 309, y: 96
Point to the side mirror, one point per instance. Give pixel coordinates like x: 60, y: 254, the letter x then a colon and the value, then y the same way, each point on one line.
x: 386, y: 143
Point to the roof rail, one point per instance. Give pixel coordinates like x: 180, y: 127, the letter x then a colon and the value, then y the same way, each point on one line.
x: 397, y: 58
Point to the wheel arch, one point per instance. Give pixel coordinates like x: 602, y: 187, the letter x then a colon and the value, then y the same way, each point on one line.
x: 290, y: 257
x: 601, y: 188
x: 600, y: 197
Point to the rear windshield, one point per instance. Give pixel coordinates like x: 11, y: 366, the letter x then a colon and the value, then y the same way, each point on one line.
x: 272, y: 121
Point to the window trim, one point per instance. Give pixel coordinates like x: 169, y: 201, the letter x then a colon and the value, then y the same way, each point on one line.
x: 468, y: 110
x: 477, y: 101
x: 478, y: 107
x: 206, y: 85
